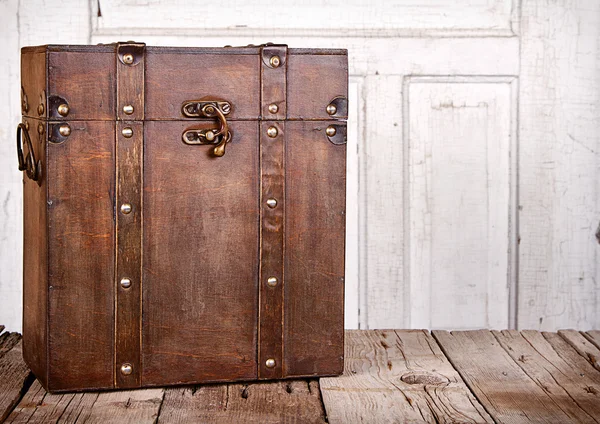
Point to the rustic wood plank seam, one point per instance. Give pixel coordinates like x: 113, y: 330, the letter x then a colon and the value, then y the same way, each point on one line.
x: 462, y: 377
x: 591, y: 339
x: 583, y: 346
x: 26, y: 377
x: 578, y: 409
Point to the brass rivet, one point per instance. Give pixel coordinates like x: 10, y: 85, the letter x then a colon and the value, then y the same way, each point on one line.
x: 270, y: 363
x: 275, y: 61
x: 41, y: 109
x: 126, y: 369
x: 128, y: 109
x: 127, y: 132
x: 330, y: 131
x: 271, y: 203
x: 272, y: 281
x: 210, y: 136
x: 40, y: 129
x: 128, y: 58
x: 273, y: 108
x: 126, y: 208
x: 272, y: 132
x: 125, y: 282
x: 331, y: 109
x: 27, y: 125
x: 63, y: 109
x: 64, y: 130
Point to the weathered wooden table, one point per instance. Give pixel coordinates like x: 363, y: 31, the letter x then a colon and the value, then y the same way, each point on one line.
x: 390, y: 376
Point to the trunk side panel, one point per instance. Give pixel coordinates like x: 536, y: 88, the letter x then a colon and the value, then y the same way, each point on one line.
x: 81, y: 178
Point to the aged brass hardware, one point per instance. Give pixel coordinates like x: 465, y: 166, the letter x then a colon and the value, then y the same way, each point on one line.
x: 128, y: 58
x: 64, y: 130
x: 208, y: 109
x: 24, y: 102
x: 27, y: 163
x: 273, y: 108
x: 58, y: 107
x: 272, y: 281
x: 127, y: 132
x: 338, y: 107
x: 336, y: 133
x: 126, y: 369
x: 125, y: 282
x: 126, y: 208
x: 63, y: 109
x: 272, y: 132
x: 275, y: 61
x: 270, y: 363
x: 128, y: 109
x: 40, y: 110
x: 271, y: 203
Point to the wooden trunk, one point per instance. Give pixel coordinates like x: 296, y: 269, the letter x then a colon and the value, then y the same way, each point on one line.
x: 151, y: 259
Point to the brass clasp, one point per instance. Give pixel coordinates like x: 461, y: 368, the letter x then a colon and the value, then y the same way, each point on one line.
x: 217, y: 137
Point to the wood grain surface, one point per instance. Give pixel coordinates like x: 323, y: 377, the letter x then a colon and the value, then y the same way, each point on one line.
x: 391, y: 376
x: 398, y: 376
x: 15, y: 376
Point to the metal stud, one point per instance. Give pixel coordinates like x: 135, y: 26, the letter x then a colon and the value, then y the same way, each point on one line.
x: 275, y: 61
x: 210, y: 136
x: 40, y: 129
x: 64, y: 130
x: 126, y: 369
x: 272, y: 281
x: 41, y: 109
x: 127, y: 132
x: 272, y: 132
x: 128, y: 109
x: 128, y: 59
x: 271, y: 203
x: 331, y: 109
x: 63, y: 109
x: 126, y: 208
x: 125, y: 282
x: 330, y: 131
x: 27, y: 125
x: 273, y: 108
x: 270, y: 363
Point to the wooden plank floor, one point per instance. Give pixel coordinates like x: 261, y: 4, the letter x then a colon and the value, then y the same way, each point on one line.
x: 390, y: 376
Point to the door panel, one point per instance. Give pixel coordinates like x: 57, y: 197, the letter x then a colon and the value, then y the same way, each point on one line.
x: 459, y: 208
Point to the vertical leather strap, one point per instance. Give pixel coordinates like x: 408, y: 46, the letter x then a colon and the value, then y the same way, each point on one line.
x: 130, y: 62
x: 272, y: 207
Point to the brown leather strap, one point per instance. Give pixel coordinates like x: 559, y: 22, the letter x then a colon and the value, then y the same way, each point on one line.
x: 128, y: 256
x: 272, y: 165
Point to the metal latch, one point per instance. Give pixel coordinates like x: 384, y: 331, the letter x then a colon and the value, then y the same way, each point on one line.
x: 217, y: 137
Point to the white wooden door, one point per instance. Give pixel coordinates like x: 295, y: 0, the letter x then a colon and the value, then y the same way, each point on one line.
x: 473, y: 194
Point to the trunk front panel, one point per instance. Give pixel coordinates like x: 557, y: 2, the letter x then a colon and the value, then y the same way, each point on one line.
x: 200, y: 256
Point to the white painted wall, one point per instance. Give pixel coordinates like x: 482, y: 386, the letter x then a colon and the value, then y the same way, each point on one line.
x: 473, y: 189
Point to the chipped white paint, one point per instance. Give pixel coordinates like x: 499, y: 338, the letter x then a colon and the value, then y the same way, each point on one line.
x: 332, y: 18
x: 24, y: 23
x: 458, y: 134
x: 559, y: 126
x: 406, y: 57
x: 11, y: 239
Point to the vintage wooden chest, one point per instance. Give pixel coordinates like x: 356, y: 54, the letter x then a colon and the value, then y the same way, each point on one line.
x: 184, y: 213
